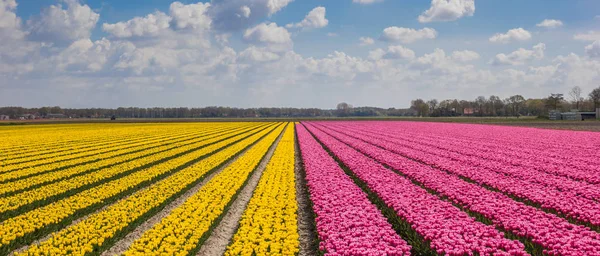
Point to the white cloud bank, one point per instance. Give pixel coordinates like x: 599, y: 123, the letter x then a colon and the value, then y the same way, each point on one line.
x: 190, y: 63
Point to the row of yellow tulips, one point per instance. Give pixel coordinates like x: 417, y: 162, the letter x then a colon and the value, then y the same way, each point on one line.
x: 183, y: 229
x: 99, y: 228
x: 110, y: 146
x: 104, y: 165
x: 27, y: 197
x: 27, y: 226
x: 32, y: 139
x: 269, y: 225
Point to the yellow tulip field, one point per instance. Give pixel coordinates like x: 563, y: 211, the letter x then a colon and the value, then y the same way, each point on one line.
x: 80, y: 189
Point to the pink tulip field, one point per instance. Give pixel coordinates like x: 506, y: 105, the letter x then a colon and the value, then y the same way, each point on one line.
x: 393, y: 188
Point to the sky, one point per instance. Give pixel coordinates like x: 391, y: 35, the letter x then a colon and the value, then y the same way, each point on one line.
x: 292, y: 53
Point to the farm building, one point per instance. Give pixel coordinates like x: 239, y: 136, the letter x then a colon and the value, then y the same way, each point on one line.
x: 27, y: 116
x: 574, y: 115
x: 4, y: 117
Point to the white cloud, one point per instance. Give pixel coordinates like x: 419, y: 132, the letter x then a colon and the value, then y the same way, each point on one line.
x: 245, y: 11
x: 314, y: 19
x: 589, y: 36
x: 407, y: 35
x: 151, y: 25
x: 366, y: 41
x: 448, y: 10
x: 376, y: 54
x: 10, y: 23
x: 331, y: 34
x: 399, y: 52
x: 270, y: 35
x: 59, y: 25
x: 232, y: 15
x: 550, y: 23
x: 593, y: 50
x: 465, y: 56
x: 366, y: 1
x: 393, y: 52
x: 8, y: 18
x: 520, y: 56
x: 255, y: 54
x: 517, y: 34
x: 190, y: 16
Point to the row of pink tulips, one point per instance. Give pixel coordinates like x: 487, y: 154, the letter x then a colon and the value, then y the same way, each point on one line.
x: 549, y: 145
x: 565, y: 202
x: 347, y: 222
x: 555, y: 234
x: 502, y: 154
x: 449, y: 230
x: 469, y: 155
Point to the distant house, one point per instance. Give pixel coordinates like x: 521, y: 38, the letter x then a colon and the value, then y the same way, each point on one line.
x: 468, y: 111
x: 4, y: 117
x: 26, y: 116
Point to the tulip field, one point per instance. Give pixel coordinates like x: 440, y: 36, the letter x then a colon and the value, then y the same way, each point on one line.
x: 304, y: 188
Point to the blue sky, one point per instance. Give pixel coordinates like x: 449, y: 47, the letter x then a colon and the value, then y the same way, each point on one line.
x: 112, y: 53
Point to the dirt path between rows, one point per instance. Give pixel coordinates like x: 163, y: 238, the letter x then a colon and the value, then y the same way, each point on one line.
x: 219, y: 239
x: 122, y: 245
x: 306, y: 227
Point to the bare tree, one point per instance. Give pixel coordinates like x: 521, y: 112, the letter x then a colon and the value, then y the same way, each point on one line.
x: 432, y: 105
x: 480, y: 101
x: 343, y: 109
x: 595, y: 97
x: 575, y: 94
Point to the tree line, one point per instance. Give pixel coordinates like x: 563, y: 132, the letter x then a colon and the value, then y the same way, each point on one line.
x: 515, y: 105
x: 206, y: 112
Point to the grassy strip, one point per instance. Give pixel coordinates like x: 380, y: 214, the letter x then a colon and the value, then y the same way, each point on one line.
x: 419, y: 245
x: 216, y: 222
x: 309, y: 209
x: 112, y: 164
x: 29, y: 238
x: 49, y: 200
x: 121, y: 234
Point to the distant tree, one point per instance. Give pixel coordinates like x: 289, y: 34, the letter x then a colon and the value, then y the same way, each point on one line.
x: 343, y: 109
x: 575, y: 94
x: 433, y: 104
x: 595, y: 97
x: 535, y: 107
x: 554, y: 100
x: 515, y: 102
x: 495, y: 104
x: 420, y: 106
x: 480, y: 103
